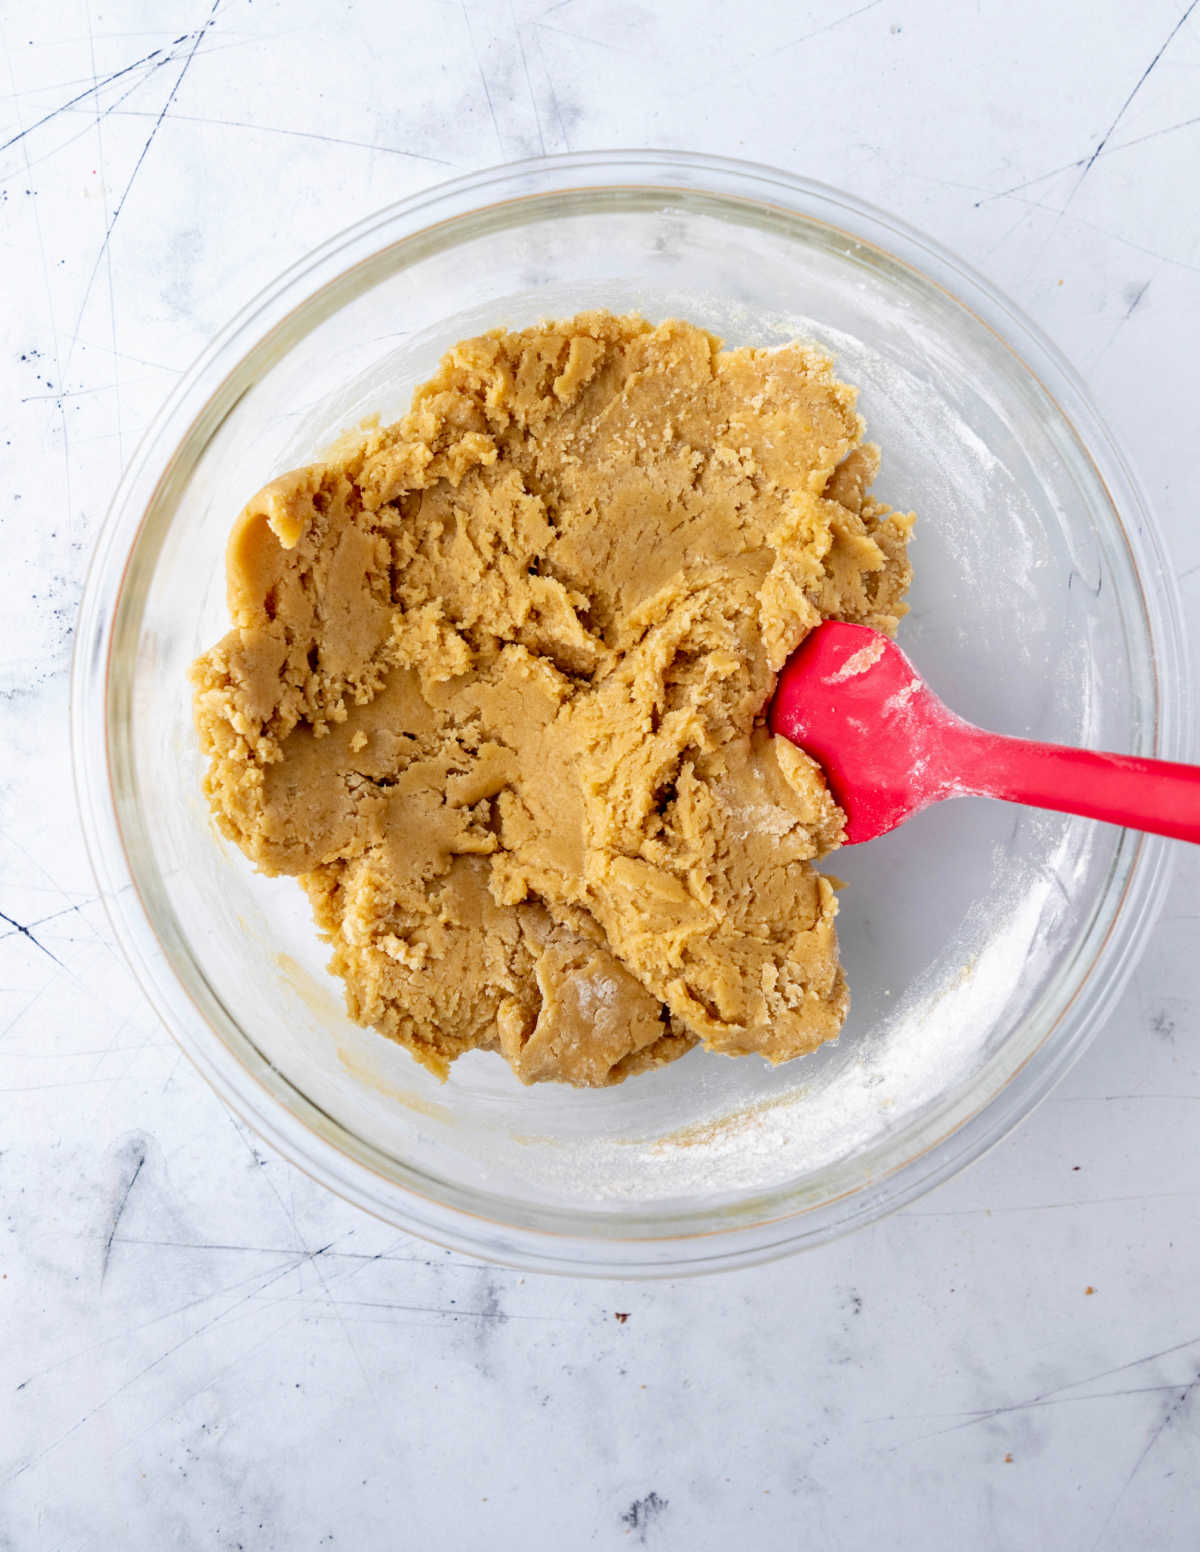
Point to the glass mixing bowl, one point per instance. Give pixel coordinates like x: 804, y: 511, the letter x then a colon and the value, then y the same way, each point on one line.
x: 983, y: 943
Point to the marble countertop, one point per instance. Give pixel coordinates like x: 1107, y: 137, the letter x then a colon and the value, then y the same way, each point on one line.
x: 199, y: 1348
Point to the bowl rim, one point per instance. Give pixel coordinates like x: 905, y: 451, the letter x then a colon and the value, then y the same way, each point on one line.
x: 349, y: 1173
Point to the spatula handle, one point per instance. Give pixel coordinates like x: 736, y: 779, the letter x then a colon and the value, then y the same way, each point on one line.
x: 1155, y: 795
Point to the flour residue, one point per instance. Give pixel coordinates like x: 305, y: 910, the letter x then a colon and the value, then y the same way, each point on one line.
x: 899, y: 701
x: 938, y: 1034
x: 859, y: 663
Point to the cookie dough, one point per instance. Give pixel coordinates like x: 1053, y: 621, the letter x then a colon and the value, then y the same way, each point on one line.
x: 495, y: 686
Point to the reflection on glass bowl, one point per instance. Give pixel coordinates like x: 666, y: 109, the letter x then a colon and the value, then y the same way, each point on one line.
x: 983, y: 943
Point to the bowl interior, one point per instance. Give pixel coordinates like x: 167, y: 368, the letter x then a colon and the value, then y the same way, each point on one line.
x: 965, y: 935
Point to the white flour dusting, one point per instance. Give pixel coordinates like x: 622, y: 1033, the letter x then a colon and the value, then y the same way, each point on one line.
x: 858, y: 663
x: 940, y: 1031
x: 897, y: 703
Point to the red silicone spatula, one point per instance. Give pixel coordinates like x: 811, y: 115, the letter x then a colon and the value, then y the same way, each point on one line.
x: 888, y: 747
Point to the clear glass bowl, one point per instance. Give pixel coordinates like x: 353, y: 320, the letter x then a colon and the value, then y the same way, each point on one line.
x: 983, y: 943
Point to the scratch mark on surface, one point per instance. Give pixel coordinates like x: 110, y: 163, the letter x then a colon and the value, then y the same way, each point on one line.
x: 174, y: 1072
x: 72, y: 393
x: 110, y: 1049
x: 554, y: 102
x: 1091, y: 160
x: 1093, y: 1201
x: 424, y: 1256
x: 179, y: 1406
x: 236, y: 1314
x: 124, y: 355
x: 579, y: 37
x: 112, y: 110
x: 23, y: 1010
x: 838, y: 21
x: 1125, y: 106
x: 138, y: 1157
x: 992, y: 1414
x: 750, y: 61
x: 1028, y: 208
x: 97, y: 1050
x: 69, y: 1083
x: 58, y: 367
x: 197, y: 38
x: 1153, y: 134
x: 95, y: 87
x: 1109, y: 1099
x: 269, y: 1277
x: 1030, y: 183
x: 1112, y: 150
x: 537, y: 118
x: 112, y: 303
x: 950, y: 183
x: 1138, y: 294
x: 499, y: 1316
x: 1168, y: 1417
x: 1134, y: 1363
x: 487, y: 91
x: 26, y: 933
x: 1134, y: 295
x: 52, y: 884
x: 298, y: 134
x: 272, y: 1274
x: 312, y: 1256
x: 107, y: 256
x: 1058, y: 1396
x: 1127, y: 242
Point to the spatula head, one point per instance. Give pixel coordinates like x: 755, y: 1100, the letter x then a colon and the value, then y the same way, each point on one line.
x: 851, y: 699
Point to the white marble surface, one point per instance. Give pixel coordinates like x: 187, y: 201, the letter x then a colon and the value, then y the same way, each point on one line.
x: 198, y: 1347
